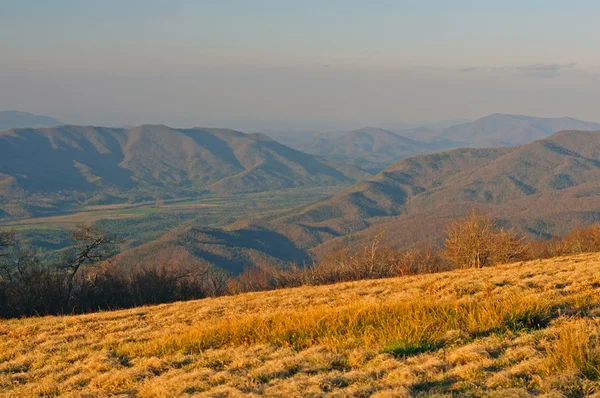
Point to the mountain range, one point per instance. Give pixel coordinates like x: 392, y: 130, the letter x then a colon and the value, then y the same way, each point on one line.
x: 67, y: 165
x: 510, y: 130
x: 368, y: 146
x: 543, y: 189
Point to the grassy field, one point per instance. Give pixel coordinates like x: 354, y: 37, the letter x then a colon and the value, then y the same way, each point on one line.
x: 249, y: 204
x: 518, y: 330
x: 91, y: 214
x: 69, y: 220
x: 145, y: 221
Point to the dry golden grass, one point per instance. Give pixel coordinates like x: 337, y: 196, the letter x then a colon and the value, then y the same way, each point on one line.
x: 69, y: 219
x: 104, y: 212
x: 523, y: 329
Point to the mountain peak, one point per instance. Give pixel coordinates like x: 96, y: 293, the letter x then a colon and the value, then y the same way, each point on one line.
x: 18, y: 119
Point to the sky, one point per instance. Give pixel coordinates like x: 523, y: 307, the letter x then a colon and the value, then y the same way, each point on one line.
x: 254, y: 64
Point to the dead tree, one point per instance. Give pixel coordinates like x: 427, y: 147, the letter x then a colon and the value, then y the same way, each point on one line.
x: 89, y: 245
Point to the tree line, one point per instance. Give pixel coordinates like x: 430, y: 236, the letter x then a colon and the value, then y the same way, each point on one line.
x: 474, y: 241
x: 82, y: 278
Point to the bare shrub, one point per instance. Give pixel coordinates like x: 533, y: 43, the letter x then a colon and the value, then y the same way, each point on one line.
x: 508, y: 246
x: 422, y: 259
x: 580, y: 240
x: 372, y: 261
x: 27, y: 286
x: 254, y: 279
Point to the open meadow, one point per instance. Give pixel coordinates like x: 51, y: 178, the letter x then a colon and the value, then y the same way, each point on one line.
x: 522, y: 329
x: 143, y: 222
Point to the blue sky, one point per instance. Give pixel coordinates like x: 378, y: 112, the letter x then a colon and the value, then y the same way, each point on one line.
x: 226, y: 61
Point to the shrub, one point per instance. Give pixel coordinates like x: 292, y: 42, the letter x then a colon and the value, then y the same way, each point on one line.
x: 422, y: 259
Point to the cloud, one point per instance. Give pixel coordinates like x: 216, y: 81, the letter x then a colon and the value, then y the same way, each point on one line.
x: 545, y: 71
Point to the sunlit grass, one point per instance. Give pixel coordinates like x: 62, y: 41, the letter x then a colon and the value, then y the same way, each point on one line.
x: 515, y: 330
x: 407, y: 323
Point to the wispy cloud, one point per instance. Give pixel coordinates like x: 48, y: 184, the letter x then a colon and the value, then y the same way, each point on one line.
x: 545, y: 70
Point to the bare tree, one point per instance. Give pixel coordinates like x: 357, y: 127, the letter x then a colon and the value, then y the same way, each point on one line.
x: 89, y: 245
x: 216, y: 282
x: 8, y: 239
x: 508, y: 246
x: 476, y: 241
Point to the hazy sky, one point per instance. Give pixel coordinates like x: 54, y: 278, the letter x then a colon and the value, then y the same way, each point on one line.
x: 241, y: 63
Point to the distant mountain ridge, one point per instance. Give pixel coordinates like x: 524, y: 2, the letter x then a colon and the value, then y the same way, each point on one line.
x: 510, y: 130
x: 365, y: 145
x: 376, y: 148
x: 16, y: 119
x: 104, y: 165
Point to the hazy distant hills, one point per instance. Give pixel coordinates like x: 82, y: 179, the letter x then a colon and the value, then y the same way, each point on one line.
x: 508, y: 130
x: 366, y: 145
x: 376, y: 148
x: 15, y: 119
x: 104, y: 165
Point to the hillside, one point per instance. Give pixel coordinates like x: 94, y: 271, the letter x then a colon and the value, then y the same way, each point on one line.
x: 524, y: 329
x: 509, y: 130
x: 16, y: 119
x: 231, y: 248
x: 545, y: 187
x: 46, y: 170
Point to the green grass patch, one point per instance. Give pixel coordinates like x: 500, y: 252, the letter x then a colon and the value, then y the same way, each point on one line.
x: 404, y: 349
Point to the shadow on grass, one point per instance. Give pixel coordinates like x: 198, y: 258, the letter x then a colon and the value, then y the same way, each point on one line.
x: 533, y: 320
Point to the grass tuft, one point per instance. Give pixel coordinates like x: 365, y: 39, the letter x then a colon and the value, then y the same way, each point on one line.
x: 575, y: 346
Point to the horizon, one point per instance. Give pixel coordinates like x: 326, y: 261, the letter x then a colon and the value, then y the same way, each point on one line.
x: 310, y: 126
x: 289, y: 66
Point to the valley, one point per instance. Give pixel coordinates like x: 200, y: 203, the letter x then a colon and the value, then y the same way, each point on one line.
x: 543, y: 189
x: 46, y: 171
x: 143, y: 222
